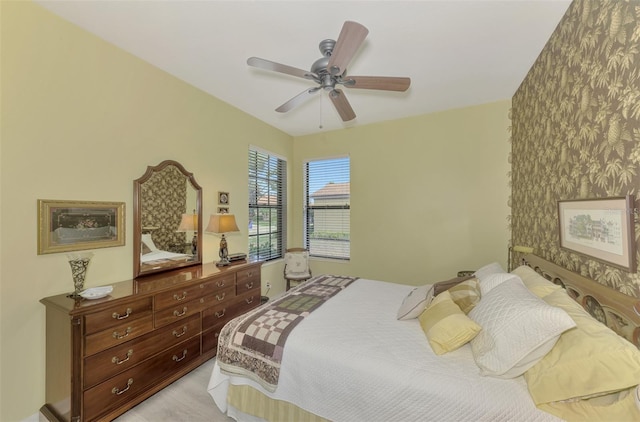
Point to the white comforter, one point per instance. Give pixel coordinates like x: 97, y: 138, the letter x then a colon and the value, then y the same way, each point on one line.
x: 351, y: 360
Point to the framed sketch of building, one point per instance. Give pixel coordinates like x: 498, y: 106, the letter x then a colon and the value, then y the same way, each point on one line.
x: 601, y: 229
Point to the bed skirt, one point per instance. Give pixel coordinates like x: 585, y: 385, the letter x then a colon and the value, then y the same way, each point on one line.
x: 248, y: 400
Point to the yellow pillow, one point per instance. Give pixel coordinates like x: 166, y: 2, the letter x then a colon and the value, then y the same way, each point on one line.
x: 587, y: 361
x: 446, y: 326
x: 466, y: 294
x: 619, y: 407
x: 537, y: 284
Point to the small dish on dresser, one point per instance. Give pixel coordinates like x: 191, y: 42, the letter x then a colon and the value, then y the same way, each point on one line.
x: 96, y: 292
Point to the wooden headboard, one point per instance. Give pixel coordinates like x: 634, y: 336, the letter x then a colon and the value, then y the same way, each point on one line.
x: 618, y: 311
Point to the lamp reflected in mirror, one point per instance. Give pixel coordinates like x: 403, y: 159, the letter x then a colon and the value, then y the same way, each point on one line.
x: 221, y: 224
x: 189, y: 223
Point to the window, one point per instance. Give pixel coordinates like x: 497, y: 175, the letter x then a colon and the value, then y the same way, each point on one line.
x: 327, y: 208
x: 267, y: 205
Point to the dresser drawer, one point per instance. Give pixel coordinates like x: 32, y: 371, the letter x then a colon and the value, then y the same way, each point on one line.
x: 221, y: 313
x: 248, y: 285
x: 222, y: 297
x: 117, y: 315
x: 125, y: 386
x: 120, y: 358
x: 248, y: 279
x: 210, y: 338
x: 117, y: 334
x: 247, y: 301
x: 177, y: 296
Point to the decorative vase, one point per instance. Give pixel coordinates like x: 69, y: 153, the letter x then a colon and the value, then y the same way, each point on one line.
x: 79, y: 263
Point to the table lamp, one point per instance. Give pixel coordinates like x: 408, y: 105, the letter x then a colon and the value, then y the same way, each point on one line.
x: 221, y: 224
x: 512, y: 250
x: 188, y: 223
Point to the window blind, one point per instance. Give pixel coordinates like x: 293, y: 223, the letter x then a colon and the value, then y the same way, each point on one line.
x: 327, y: 208
x: 267, y: 205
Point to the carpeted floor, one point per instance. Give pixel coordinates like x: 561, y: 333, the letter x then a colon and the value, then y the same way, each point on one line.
x: 185, y: 400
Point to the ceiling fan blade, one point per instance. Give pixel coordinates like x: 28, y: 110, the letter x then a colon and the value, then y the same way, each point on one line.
x: 341, y: 104
x: 278, y: 67
x: 297, y: 100
x: 384, y: 83
x: 350, y: 39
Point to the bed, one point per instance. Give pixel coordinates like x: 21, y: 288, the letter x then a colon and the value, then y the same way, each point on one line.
x: 349, y: 358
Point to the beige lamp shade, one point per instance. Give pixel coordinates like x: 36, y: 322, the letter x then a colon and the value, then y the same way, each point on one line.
x: 189, y: 222
x: 222, y: 223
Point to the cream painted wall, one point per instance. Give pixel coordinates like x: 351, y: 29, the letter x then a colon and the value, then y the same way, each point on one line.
x: 440, y: 179
x: 81, y: 120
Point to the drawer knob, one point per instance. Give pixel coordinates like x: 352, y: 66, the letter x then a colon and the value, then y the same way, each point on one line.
x: 179, y: 298
x: 220, y: 283
x: 116, y: 315
x: 223, y: 295
x: 184, y: 355
x: 249, y: 274
x: 118, y: 391
x: 184, y: 311
x: 249, y: 286
x: 220, y: 315
x: 118, y: 336
x: 176, y: 334
x: 249, y: 300
x: 119, y: 361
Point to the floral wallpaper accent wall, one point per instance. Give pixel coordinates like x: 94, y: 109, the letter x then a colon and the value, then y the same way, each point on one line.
x: 164, y: 197
x: 576, y: 130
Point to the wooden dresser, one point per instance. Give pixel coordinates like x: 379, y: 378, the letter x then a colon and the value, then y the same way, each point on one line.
x: 106, y: 355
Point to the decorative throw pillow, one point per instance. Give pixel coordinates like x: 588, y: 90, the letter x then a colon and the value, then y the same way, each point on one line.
x: 518, y: 329
x: 296, y: 263
x: 491, y: 281
x: 145, y: 249
x: 487, y: 270
x: 446, y: 326
x: 441, y: 286
x: 415, y: 302
x: 147, y: 240
x: 536, y: 283
x: 586, y: 362
x: 466, y: 294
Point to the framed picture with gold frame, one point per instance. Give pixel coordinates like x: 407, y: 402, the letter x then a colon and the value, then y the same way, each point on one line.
x: 65, y: 226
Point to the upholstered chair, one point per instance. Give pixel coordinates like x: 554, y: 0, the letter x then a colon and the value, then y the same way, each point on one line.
x: 296, y: 266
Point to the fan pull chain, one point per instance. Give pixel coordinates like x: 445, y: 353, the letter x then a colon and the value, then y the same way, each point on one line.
x: 320, y: 113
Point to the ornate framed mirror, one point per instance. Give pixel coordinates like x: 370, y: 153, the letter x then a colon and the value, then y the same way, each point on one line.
x: 167, y: 219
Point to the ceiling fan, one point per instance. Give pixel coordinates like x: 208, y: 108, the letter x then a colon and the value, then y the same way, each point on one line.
x: 331, y: 70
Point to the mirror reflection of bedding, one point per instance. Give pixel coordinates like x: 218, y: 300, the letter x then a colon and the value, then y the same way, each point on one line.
x: 151, y: 255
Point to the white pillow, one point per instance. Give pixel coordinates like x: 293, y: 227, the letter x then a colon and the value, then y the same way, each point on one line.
x: 487, y: 270
x: 491, y: 281
x: 415, y: 302
x: 147, y: 240
x: 518, y: 329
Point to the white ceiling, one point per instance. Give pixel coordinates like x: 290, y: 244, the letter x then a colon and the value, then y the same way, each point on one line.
x: 457, y: 53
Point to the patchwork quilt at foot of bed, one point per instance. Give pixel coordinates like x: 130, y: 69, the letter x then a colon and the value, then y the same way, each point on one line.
x: 252, y: 344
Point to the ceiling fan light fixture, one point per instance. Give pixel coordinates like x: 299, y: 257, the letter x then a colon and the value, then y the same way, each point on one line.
x: 330, y: 70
